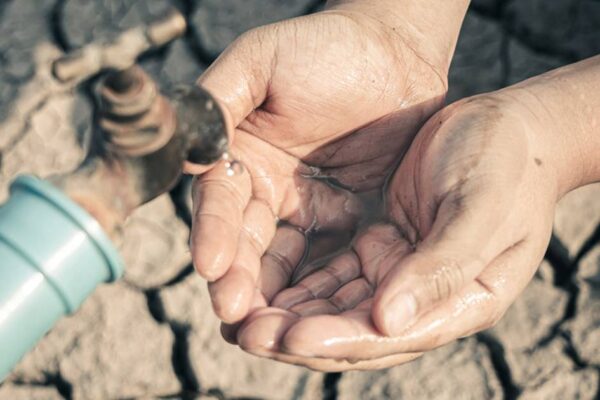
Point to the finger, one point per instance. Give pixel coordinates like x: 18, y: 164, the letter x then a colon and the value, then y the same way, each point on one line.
x: 321, y: 284
x: 341, y: 365
x: 233, y: 293
x: 219, y: 204
x: 325, y: 336
x: 375, y: 246
x: 230, y: 331
x: 378, y: 249
x: 260, y: 335
x: 344, y: 299
x: 285, y: 253
x: 263, y: 329
x: 476, y: 307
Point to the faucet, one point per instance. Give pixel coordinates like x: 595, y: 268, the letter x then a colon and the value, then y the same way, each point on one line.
x: 57, y: 235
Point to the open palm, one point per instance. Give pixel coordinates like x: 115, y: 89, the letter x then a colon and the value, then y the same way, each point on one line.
x: 469, y: 215
x: 312, y: 100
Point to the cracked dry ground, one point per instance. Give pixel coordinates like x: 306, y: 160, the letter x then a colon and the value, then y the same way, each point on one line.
x: 153, y: 334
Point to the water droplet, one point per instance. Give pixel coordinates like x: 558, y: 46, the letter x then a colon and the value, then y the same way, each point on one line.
x: 235, y: 168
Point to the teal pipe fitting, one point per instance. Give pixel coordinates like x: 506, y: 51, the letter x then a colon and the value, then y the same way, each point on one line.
x: 53, y: 254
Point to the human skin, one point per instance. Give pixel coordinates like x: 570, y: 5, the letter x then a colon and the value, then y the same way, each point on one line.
x: 311, y: 101
x: 469, y: 216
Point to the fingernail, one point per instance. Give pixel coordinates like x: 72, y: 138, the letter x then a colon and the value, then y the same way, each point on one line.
x: 399, y: 313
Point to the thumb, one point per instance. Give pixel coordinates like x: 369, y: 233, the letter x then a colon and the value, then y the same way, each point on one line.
x: 461, y: 243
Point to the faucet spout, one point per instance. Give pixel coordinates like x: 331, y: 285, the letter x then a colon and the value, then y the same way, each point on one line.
x: 141, y: 143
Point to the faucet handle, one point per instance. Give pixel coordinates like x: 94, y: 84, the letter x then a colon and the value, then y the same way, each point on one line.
x: 121, y: 53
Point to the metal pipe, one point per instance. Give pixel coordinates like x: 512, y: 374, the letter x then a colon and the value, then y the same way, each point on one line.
x: 143, y: 140
x: 55, y: 235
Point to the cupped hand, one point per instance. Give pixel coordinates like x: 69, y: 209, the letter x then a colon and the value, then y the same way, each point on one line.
x: 312, y: 100
x: 469, y: 216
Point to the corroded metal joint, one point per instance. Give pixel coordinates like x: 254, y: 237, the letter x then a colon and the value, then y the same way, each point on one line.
x: 134, y: 118
x: 121, y: 53
x: 142, y: 138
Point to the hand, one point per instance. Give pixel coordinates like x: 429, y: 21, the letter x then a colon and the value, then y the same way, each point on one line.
x: 312, y: 100
x: 470, y: 213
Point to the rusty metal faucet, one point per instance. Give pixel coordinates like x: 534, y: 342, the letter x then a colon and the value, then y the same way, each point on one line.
x: 56, y: 246
x: 142, y: 137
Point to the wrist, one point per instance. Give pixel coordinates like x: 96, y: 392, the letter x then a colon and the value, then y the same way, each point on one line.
x: 565, y: 105
x: 429, y: 27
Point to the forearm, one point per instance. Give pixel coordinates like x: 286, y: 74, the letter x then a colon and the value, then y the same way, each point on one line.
x: 566, y: 102
x: 433, y: 25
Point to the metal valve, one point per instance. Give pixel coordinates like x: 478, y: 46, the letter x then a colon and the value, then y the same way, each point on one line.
x: 142, y: 137
x: 56, y: 246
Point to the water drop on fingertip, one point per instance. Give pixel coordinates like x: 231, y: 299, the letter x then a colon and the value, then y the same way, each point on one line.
x: 232, y: 166
x: 237, y: 167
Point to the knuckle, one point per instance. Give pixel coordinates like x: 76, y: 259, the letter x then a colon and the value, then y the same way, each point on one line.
x: 444, y: 281
x: 228, y: 188
x: 231, y: 222
x: 282, y: 262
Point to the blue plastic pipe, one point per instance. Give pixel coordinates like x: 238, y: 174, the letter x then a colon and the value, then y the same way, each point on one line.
x: 53, y: 254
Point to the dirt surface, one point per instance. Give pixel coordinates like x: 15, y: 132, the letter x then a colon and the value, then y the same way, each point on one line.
x: 153, y: 334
